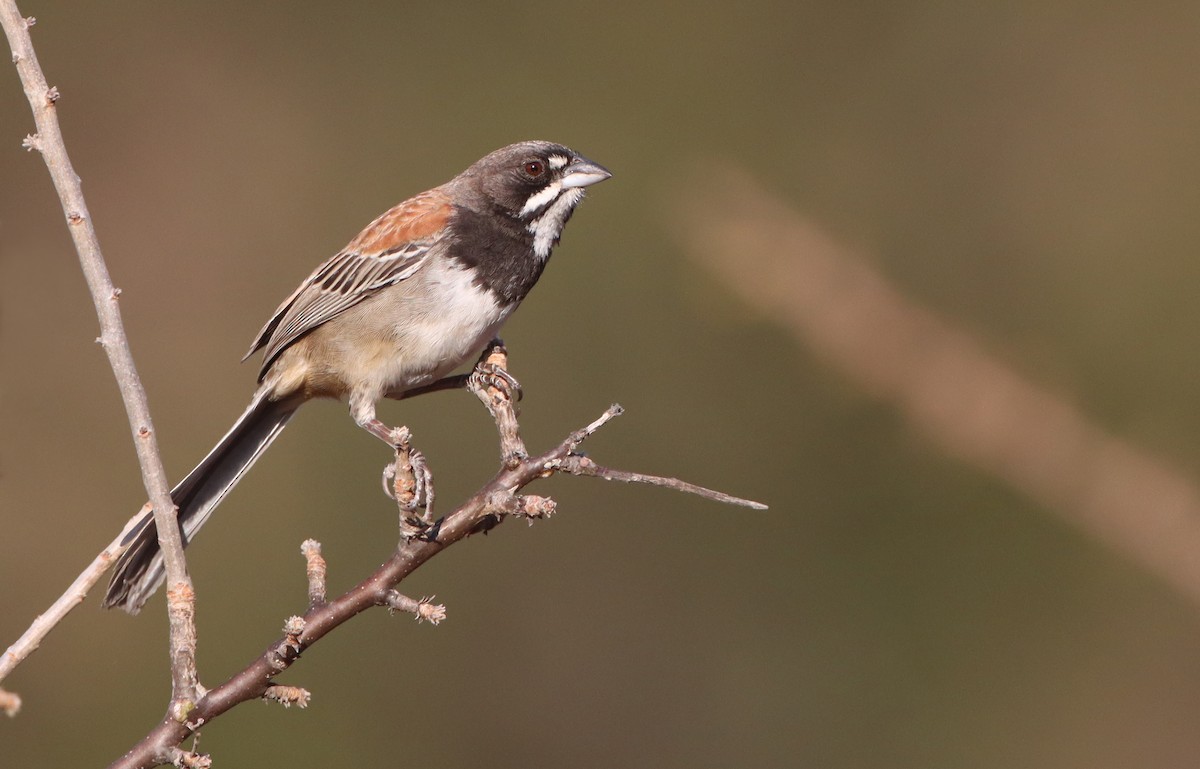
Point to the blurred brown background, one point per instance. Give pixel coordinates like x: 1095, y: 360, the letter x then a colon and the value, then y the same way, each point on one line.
x: 1027, y: 170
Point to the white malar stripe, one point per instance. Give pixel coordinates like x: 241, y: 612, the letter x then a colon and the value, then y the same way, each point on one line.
x: 542, y: 199
x: 547, y: 227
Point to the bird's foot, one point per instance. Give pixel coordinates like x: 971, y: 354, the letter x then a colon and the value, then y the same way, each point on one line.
x: 491, y: 372
x: 409, y: 481
x: 499, y: 390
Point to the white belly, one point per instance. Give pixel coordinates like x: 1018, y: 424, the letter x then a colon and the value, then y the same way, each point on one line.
x: 432, y: 326
x: 460, y: 319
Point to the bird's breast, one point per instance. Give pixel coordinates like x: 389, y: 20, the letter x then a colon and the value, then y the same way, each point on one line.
x: 456, y: 316
x: 405, y: 336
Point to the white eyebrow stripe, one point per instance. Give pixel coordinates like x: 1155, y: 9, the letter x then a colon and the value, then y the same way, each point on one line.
x: 559, y: 161
x: 543, y: 198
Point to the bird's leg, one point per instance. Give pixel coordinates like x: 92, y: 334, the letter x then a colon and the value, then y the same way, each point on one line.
x: 363, y: 412
x: 456, y: 382
x: 407, y: 479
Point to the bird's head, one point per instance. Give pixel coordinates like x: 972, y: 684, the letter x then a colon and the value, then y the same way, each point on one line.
x: 537, y: 183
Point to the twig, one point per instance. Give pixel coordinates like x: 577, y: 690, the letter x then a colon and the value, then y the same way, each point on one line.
x: 315, y: 570
x: 71, y: 597
x: 576, y: 464
x: 49, y: 142
x: 288, y: 695
x: 423, y: 610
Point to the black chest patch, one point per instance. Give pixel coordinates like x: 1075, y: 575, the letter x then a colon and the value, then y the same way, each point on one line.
x: 499, y: 250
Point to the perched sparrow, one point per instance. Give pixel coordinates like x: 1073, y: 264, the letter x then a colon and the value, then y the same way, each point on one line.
x: 418, y: 293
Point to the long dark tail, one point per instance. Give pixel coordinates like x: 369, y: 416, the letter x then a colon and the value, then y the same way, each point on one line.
x: 140, y: 569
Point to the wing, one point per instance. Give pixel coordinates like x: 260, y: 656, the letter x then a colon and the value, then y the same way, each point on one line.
x: 389, y: 250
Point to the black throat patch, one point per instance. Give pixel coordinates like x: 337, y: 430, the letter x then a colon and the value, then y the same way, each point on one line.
x: 498, y: 249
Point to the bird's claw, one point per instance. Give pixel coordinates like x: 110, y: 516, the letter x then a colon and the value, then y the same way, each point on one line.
x: 490, y: 376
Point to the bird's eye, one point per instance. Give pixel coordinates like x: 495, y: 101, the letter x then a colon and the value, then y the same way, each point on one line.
x: 535, y: 168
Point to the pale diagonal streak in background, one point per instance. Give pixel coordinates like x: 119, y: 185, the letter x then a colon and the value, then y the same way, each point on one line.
x: 949, y: 388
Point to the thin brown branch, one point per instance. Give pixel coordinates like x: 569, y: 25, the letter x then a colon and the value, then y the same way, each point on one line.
x: 49, y: 142
x: 576, y: 464
x: 497, y: 500
x: 71, y: 597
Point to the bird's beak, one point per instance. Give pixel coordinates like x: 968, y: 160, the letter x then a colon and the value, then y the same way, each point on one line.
x: 583, y: 172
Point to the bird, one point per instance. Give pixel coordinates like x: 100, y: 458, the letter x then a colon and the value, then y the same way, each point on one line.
x: 412, y: 297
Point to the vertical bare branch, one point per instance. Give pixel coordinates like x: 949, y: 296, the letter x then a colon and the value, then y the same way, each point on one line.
x: 49, y: 142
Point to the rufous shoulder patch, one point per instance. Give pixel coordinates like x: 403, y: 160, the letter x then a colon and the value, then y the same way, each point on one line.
x: 416, y: 219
